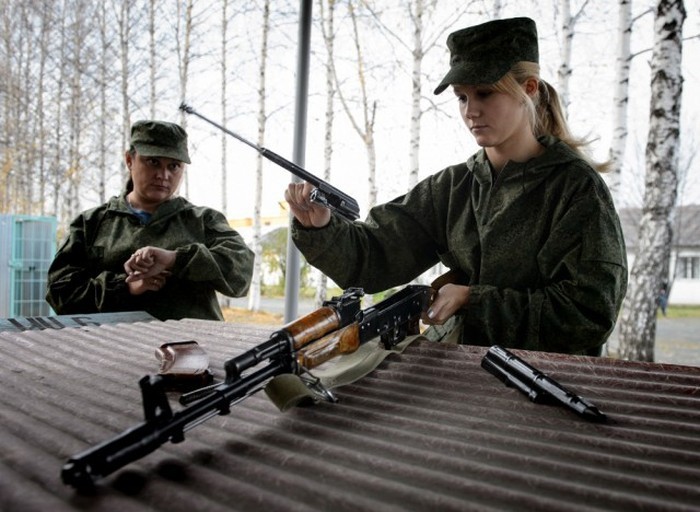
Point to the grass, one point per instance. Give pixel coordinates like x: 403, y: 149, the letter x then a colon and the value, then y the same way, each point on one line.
x: 682, y: 312
x: 244, y: 316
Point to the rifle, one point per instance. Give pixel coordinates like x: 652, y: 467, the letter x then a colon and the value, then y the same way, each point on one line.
x: 338, y: 327
x: 538, y: 387
x: 324, y: 193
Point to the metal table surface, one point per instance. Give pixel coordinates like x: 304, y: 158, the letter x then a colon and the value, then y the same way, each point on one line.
x: 427, y: 430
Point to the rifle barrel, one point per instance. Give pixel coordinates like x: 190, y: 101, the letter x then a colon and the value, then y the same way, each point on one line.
x: 324, y: 193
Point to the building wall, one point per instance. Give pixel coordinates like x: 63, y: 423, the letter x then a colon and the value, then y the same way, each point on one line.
x: 684, y: 291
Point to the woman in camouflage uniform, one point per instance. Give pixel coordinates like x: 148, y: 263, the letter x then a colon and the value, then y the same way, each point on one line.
x: 526, y: 224
x: 148, y: 249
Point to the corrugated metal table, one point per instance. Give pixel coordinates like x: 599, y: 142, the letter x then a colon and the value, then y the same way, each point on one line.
x: 427, y: 430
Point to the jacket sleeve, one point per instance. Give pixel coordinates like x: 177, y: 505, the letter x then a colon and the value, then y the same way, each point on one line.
x: 372, y: 254
x: 583, y: 271
x: 223, y: 260
x: 74, y: 287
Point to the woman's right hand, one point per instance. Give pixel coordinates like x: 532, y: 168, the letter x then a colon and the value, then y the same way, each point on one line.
x: 447, y: 300
x: 308, y: 213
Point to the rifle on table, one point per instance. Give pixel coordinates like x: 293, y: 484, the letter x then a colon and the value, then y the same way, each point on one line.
x: 538, y: 387
x: 338, y: 327
x: 324, y: 193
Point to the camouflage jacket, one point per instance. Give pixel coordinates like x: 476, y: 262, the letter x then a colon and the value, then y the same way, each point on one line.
x: 87, y: 274
x: 540, y: 246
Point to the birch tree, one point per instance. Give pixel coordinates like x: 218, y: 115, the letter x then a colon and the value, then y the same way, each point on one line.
x: 568, y: 30
x: 415, y: 11
x: 364, y: 127
x: 621, y: 97
x: 77, y: 105
x: 152, y: 43
x: 328, y: 33
x: 124, y: 26
x: 22, y: 177
x: 651, y: 265
x: 105, y: 38
x: 44, y: 45
x: 255, y: 286
x: 57, y: 136
x: 567, y: 37
x: 224, y: 107
x: 184, y: 52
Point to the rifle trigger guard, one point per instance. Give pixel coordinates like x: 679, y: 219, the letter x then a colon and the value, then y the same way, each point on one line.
x: 316, y: 386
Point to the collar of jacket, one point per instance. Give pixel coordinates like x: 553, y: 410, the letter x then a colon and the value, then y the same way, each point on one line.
x: 555, y: 154
x: 166, y: 209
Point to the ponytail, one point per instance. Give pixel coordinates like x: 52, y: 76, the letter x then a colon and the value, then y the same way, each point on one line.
x: 546, y: 112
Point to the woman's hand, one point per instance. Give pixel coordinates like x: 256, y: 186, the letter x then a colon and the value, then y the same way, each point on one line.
x: 149, y: 284
x: 449, y: 299
x: 309, y: 214
x: 148, y: 262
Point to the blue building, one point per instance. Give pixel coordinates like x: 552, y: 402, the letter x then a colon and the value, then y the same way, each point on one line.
x: 27, y: 247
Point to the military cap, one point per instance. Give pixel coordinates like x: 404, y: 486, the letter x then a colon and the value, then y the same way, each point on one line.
x: 161, y: 139
x: 482, y: 54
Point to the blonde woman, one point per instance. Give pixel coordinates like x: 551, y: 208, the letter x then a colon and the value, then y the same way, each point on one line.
x: 526, y: 224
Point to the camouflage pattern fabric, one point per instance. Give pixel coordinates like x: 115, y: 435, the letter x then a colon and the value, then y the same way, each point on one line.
x: 541, y: 248
x: 87, y: 275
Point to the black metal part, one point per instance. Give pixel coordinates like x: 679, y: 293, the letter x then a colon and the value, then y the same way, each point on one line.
x: 324, y: 193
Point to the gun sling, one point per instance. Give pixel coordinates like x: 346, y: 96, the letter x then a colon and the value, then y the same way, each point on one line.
x: 288, y: 390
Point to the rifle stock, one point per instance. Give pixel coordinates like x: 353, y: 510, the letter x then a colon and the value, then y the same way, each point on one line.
x: 343, y: 341
x: 391, y: 320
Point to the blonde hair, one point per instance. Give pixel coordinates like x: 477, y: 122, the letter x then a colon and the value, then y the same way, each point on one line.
x: 545, y: 110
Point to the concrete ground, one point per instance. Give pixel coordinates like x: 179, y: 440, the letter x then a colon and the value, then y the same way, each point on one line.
x: 677, y: 341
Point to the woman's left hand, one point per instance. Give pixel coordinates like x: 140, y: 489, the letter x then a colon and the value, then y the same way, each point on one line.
x: 150, y: 284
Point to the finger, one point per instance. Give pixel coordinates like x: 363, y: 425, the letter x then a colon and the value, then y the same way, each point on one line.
x: 302, y: 196
x: 434, y: 305
x: 292, y: 196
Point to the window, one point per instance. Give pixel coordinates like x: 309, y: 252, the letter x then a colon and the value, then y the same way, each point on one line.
x: 688, y: 267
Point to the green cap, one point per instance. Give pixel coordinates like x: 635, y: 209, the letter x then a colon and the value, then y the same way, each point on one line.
x: 159, y: 138
x: 482, y: 54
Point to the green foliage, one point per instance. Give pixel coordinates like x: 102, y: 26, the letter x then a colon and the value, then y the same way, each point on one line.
x: 274, y: 261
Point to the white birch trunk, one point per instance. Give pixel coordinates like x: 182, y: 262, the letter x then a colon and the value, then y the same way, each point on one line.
x: 104, y: 62
x: 185, y: 56
x: 44, y: 54
x: 620, y: 99
x: 366, y: 131
x: 414, y: 141
x: 328, y: 31
x: 567, y: 37
x: 224, y: 92
x: 256, y: 283
x: 152, y: 55
x: 124, y: 33
x: 650, y: 269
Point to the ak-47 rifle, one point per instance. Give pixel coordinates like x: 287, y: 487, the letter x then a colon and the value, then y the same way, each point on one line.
x: 324, y: 193
x: 338, y: 327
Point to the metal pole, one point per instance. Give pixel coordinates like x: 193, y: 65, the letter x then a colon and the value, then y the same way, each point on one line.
x: 292, y: 278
